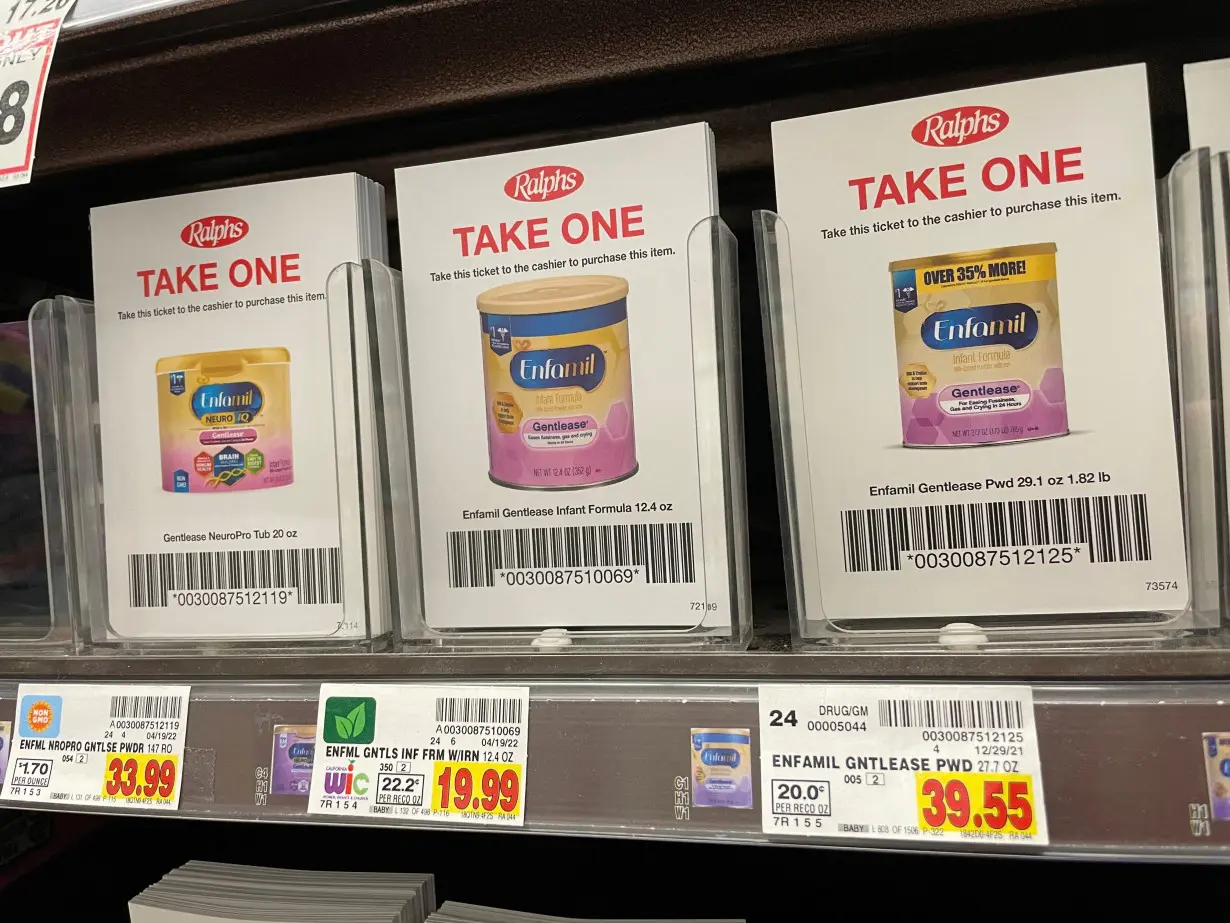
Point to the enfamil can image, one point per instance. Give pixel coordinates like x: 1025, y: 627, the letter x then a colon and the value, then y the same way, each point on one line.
x: 978, y: 351
x: 224, y: 420
x: 1217, y: 771
x: 558, y: 382
x: 721, y: 768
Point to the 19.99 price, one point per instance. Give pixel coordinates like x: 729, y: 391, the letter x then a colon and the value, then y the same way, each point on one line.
x: 489, y: 788
x: 976, y: 803
x: 140, y: 777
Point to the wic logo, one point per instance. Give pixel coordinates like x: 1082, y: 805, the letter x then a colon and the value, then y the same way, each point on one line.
x: 542, y: 184
x: 962, y: 125
x: 214, y: 231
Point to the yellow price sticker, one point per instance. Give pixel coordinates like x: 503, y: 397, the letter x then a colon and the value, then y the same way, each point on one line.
x: 140, y: 777
x: 477, y: 788
x: 970, y: 802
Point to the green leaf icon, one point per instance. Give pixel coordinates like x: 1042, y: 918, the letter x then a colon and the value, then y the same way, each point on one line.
x: 357, y: 719
x: 345, y: 728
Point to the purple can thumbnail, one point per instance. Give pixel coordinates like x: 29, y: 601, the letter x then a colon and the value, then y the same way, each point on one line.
x: 721, y: 768
x: 294, y: 745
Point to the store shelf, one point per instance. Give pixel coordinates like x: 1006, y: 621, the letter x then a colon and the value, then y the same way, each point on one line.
x: 1121, y: 762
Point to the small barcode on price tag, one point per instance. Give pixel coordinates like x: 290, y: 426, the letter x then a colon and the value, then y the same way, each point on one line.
x: 479, y: 711
x: 146, y: 706
x: 951, y: 714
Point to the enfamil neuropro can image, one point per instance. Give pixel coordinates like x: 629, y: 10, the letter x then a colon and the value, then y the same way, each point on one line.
x: 558, y: 382
x: 978, y: 350
x: 224, y: 420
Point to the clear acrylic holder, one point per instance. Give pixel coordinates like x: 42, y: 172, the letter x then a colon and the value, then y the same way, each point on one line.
x: 377, y: 305
x: 811, y: 625
x: 1195, y: 198
x: 65, y: 372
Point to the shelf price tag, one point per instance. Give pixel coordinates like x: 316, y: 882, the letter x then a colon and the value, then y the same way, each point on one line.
x: 421, y: 752
x: 901, y: 762
x: 81, y: 745
x: 29, y: 30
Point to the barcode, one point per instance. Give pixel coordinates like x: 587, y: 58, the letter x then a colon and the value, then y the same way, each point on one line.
x: 663, y: 550
x: 961, y: 714
x: 315, y: 572
x: 479, y: 711
x: 1112, y: 527
x: 145, y: 706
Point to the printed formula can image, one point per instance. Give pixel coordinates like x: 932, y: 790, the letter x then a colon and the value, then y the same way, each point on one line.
x: 224, y: 420
x: 558, y: 382
x: 721, y: 768
x: 978, y: 352
x: 1217, y: 770
x: 294, y: 749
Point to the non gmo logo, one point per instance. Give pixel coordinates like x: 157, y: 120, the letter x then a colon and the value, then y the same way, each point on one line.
x: 963, y: 125
x: 349, y: 720
x: 40, y: 715
x: 214, y: 231
x: 542, y: 184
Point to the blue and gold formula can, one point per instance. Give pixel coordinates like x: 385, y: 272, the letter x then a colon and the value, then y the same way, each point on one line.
x: 558, y: 376
x: 224, y: 420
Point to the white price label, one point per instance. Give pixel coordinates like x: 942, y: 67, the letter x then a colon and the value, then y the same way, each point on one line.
x: 83, y: 745
x: 440, y: 753
x: 901, y: 762
x: 29, y: 30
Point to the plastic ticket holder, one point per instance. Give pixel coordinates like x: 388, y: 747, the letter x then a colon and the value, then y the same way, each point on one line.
x: 1196, y: 194
x: 65, y: 374
x: 712, y: 587
x: 814, y: 624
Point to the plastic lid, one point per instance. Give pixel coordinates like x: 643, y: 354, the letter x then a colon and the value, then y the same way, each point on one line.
x: 224, y: 363
x: 552, y: 294
x: 974, y: 256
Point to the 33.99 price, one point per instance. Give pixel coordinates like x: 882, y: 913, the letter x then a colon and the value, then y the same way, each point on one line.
x: 976, y: 802
x: 140, y: 776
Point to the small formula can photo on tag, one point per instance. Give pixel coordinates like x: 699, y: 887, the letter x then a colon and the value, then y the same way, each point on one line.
x: 294, y: 748
x: 1217, y: 769
x: 224, y: 420
x: 721, y: 768
x: 978, y: 352
x: 558, y: 382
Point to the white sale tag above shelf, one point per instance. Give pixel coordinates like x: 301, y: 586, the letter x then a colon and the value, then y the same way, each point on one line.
x: 29, y: 30
x: 83, y: 745
x: 901, y: 762
x: 418, y: 752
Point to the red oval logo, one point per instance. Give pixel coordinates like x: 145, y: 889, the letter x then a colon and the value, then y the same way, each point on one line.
x: 962, y: 125
x: 542, y: 184
x: 214, y: 231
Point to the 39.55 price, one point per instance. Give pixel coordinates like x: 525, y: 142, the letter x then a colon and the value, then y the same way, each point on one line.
x: 137, y: 776
x: 473, y: 788
x: 970, y: 802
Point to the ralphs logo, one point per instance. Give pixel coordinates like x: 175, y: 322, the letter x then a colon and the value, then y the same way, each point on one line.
x: 214, y: 231
x: 962, y: 125
x: 1014, y: 325
x: 565, y: 367
x: 542, y: 184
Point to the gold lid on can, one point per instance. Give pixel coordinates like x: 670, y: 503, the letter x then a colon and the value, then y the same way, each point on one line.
x: 552, y: 294
x: 222, y: 364
x: 974, y: 256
